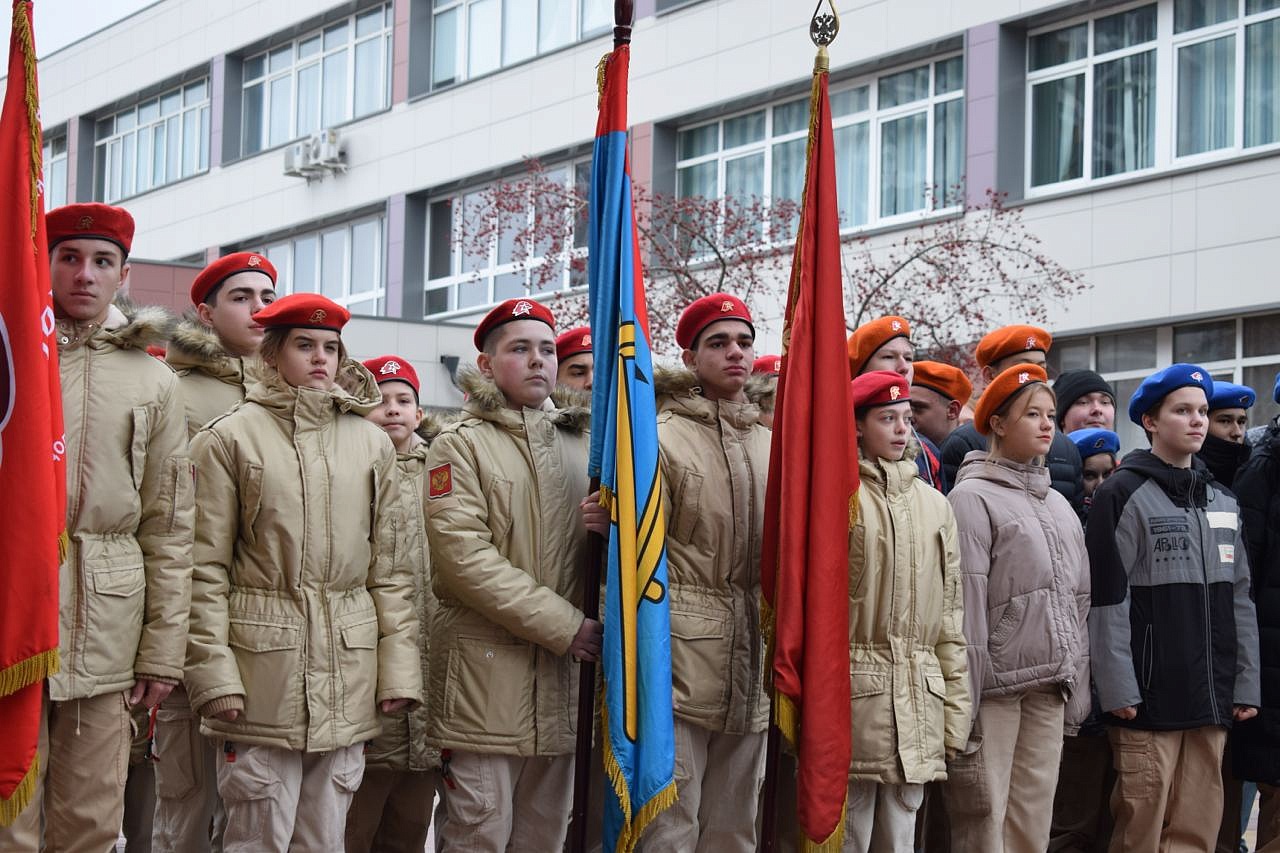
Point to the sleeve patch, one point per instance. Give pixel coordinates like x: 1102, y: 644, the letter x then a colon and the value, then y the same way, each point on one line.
x: 1227, y: 553
x: 440, y: 481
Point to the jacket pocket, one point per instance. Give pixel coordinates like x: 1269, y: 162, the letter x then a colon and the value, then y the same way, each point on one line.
x: 115, y: 592
x: 138, y: 445
x: 874, y: 736
x: 267, y: 652
x: 250, y: 502
x: 699, y: 660
x: 684, y: 515
x: 1009, y: 619
x: 934, y: 714
x: 489, y: 688
x: 180, y: 754
x: 358, y: 667
x: 500, y: 513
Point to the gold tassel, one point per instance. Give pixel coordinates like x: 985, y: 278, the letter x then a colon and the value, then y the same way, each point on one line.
x: 21, y: 796
x: 832, y: 844
x: 633, y: 825
x: 600, y: 67
x: 22, y: 33
x: 64, y: 546
x: 26, y: 672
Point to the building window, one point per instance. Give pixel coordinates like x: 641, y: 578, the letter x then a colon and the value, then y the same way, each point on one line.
x: 475, y: 37
x: 1146, y: 87
x: 899, y: 143
x: 474, y: 262
x: 345, y: 262
x: 325, y: 78
x: 153, y: 143
x: 54, y: 160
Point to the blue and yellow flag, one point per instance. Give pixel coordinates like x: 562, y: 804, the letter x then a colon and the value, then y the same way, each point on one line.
x: 639, y: 741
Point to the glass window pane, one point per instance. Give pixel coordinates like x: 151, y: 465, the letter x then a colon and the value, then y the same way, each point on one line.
x: 904, y: 87
x: 255, y: 66
x: 280, y: 256
x: 158, y: 147
x: 1124, y: 114
x: 519, y: 31
x: 128, y: 161
x: 472, y: 293
x: 698, y: 141
x: 57, y: 186
x: 251, y: 120
x: 1261, y: 378
x: 1126, y: 351
x: 204, y: 138
x: 1262, y: 82
x: 148, y: 112
x: 310, y: 47
x: 369, y: 77
x: 788, y: 183
x: 369, y: 23
x: 475, y: 212
x: 1206, y: 96
x: 597, y: 16
x: 582, y: 186
x: 510, y: 225
x: 280, y: 105
x: 484, y: 37
x: 850, y: 101
x: 440, y: 240
x: 100, y: 173
x: 280, y: 59
x: 195, y: 93
x: 1190, y: 14
x: 555, y: 24
x: 509, y: 285
x: 104, y: 128
x: 1125, y: 29
x: 335, y: 36
x: 306, y: 264
x: 948, y: 75
x: 114, y: 191
x: 1055, y: 48
x: 126, y: 121
x: 333, y: 258
x: 1205, y: 342
x: 948, y: 153
x: 1261, y: 335
x: 903, y: 143
x: 444, y: 52
x: 366, y: 256
x: 333, y: 108
x: 699, y: 180
x: 1068, y: 355
x: 144, y: 159
x: 742, y: 130
x: 1253, y: 7
x: 1057, y: 130
x: 190, y: 142
x: 58, y: 145
x: 791, y: 117
x: 366, y: 307
x: 170, y: 103
x: 853, y: 171
x: 743, y: 190
x: 309, y: 99
x: 436, y: 301
x: 173, y: 151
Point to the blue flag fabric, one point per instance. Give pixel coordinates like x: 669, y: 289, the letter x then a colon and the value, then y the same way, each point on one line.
x: 639, y: 749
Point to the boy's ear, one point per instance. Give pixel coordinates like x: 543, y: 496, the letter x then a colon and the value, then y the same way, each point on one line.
x: 687, y: 357
x: 953, y: 410
x: 485, y: 363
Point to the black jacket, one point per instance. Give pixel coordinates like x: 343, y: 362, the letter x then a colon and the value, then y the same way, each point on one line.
x: 1172, y: 628
x: 1256, y: 742
x: 1223, y: 459
x: 1063, y: 463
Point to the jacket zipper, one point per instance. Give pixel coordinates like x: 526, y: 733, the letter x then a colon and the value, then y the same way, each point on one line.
x: 1208, y: 619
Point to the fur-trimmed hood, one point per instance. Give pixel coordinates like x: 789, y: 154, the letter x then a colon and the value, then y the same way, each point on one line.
x: 128, y: 326
x: 677, y: 390
x: 195, y: 346
x: 485, y: 401
x: 434, y: 423
x: 355, y: 391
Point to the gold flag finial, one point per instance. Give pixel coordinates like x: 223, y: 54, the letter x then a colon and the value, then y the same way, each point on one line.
x: 823, y: 29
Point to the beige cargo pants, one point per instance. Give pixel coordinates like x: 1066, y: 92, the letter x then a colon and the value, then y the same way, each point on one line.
x: 501, y: 800
x: 189, y: 817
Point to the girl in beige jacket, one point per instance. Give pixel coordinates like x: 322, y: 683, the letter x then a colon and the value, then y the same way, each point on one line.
x: 1026, y: 603
x: 907, y: 667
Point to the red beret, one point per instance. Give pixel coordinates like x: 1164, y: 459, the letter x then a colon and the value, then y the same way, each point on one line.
x: 303, y: 311
x: 707, y: 310
x: 1011, y: 340
x: 1002, y: 389
x: 948, y: 381
x: 156, y: 351
x: 880, y: 388
x: 392, y: 368
x: 91, y: 221
x: 509, y: 311
x: 869, y: 337
x: 223, y: 268
x: 768, y: 365
x: 573, y: 342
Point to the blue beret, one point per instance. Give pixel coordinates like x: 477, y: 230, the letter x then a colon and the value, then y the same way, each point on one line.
x: 1229, y: 396
x: 1160, y: 384
x: 1091, y: 442
x: 1275, y: 392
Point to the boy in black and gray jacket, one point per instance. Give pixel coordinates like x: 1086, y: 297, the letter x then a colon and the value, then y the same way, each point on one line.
x: 1172, y: 629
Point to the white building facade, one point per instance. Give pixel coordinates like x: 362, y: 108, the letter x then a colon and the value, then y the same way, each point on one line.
x: 1142, y: 139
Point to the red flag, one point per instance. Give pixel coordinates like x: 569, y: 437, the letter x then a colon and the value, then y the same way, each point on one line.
x: 32, y: 466
x: 813, y: 481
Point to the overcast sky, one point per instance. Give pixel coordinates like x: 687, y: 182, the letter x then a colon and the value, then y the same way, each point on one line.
x: 60, y: 22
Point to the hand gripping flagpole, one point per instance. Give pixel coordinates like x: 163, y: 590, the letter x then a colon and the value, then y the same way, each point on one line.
x: 823, y: 29
x: 623, y: 18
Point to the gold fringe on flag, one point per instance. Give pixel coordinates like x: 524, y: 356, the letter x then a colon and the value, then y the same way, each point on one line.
x: 633, y: 825
x: 26, y: 43
x: 26, y: 672
x: 21, y: 797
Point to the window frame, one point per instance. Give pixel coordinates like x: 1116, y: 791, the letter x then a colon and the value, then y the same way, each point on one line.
x: 285, y: 268
x: 104, y: 147
x: 50, y: 156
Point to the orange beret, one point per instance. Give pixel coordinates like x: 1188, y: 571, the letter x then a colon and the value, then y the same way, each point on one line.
x: 948, y: 381
x: 1002, y: 389
x: 303, y: 311
x: 223, y: 268
x: 707, y: 310
x: 879, y: 388
x: 573, y: 342
x: 767, y: 365
x: 91, y: 221
x: 509, y: 311
x: 869, y: 337
x: 1011, y: 340
x: 391, y: 368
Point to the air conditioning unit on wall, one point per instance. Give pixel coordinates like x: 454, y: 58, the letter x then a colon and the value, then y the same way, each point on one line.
x: 315, y: 157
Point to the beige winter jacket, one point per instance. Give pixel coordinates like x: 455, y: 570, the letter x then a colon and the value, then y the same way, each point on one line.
x: 507, y: 544
x: 300, y: 615
x: 125, y: 587
x: 715, y: 460
x: 211, y: 380
x: 907, y: 670
x: 1026, y: 583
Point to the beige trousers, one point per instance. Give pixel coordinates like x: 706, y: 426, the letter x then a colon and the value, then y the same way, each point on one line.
x: 187, y: 802
x: 84, y: 763
x: 718, y: 779
x: 391, y: 813
x: 1168, y: 794
x: 881, y: 818
x: 501, y: 802
x: 1000, y: 796
x: 280, y: 800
